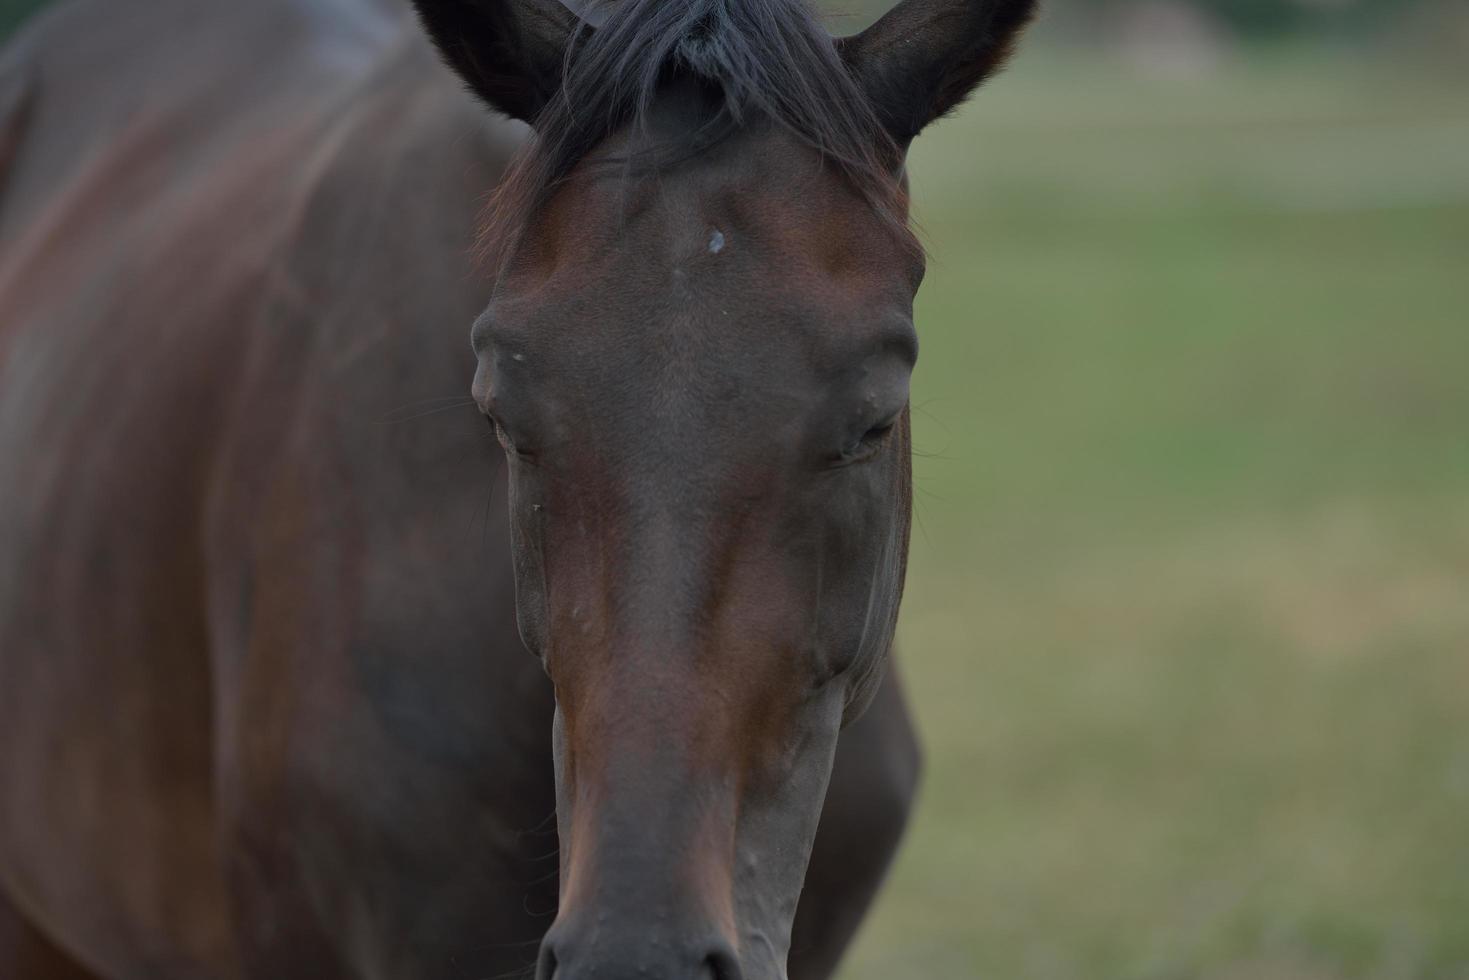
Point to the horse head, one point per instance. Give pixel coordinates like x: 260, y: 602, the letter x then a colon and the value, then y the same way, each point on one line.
x: 697, y: 360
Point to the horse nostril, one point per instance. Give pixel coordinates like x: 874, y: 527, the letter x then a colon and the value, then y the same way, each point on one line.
x: 624, y: 957
x: 722, y: 965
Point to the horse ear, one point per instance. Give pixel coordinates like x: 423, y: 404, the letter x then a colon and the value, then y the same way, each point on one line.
x: 924, y: 57
x: 510, y: 52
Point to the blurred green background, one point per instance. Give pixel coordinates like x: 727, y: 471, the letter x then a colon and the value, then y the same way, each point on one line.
x: 1187, y: 624
x: 13, y: 12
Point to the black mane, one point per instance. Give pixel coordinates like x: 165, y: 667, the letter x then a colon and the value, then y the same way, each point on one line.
x: 766, y: 58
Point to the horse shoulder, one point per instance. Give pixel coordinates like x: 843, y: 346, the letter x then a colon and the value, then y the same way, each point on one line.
x: 186, y: 274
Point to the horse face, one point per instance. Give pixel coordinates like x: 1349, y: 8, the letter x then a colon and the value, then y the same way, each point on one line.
x: 699, y: 372
x: 700, y: 378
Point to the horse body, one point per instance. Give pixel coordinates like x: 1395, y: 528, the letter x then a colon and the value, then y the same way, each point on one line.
x: 252, y: 621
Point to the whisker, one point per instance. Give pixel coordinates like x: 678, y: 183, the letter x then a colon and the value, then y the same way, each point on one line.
x: 525, y: 907
x: 461, y: 397
x: 545, y: 826
x: 523, y: 971
x: 542, y: 879
x: 461, y: 401
x: 484, y: 526
x: 918, y: 519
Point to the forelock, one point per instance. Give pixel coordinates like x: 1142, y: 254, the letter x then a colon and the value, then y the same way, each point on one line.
x: 769, y: 59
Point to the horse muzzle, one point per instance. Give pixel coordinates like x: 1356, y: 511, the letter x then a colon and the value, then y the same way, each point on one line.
x: 590, y: 954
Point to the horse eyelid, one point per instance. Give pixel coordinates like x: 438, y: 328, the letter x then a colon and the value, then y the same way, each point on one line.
x: 870, y: 442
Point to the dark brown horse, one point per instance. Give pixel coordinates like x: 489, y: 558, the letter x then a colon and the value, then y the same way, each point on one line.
x: 264, y: 712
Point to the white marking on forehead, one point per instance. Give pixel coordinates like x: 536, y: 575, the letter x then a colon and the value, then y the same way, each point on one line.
x: 716, y: 242
x: 517, y: 357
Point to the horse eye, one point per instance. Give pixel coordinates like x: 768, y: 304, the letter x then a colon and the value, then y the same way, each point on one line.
x: 878, y: 433
x: 871, y: 441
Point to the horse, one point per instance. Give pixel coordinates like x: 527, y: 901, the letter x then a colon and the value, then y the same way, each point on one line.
x: 333, y: 646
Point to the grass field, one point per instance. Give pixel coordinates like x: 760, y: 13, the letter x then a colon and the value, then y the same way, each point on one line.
x: 1188, y: 617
